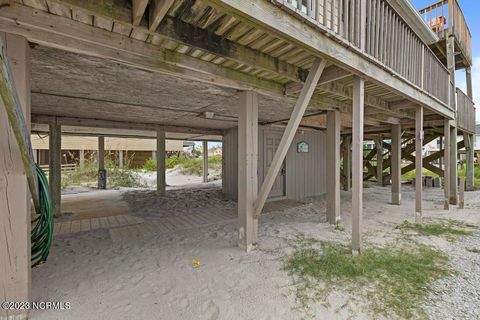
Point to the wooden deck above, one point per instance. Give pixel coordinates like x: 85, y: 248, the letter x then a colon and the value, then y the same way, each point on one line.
x: 261, y: 45
x: 446, y: 18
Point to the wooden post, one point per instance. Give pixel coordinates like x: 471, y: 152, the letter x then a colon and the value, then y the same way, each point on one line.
x: 292, y: 126
x: 15, y: 217
x: 396, y: 164
x: 440, y: 162
x: 247, y: 169
x: 161, y: 179
x: 102, y: 173
x: 469, y: 155
x: 379, y: 146
x: 347, y: 161
x: 468, y: 75
x: 333, y: 166
x: 450, y: 45
x: 120, y: 159
x: 154, y: 155
x: 419, y: 135
x: 82, y: 158
x: 205, y: 161
x: 461, y: 194
x: 446, y: 161
x: 55, y: 167
x: 357, y: 162
x: 453, y: 165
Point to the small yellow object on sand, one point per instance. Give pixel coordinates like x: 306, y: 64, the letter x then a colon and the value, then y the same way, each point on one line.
x: 196, y: 263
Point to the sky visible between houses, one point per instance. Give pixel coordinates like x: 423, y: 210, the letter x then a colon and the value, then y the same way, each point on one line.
x: 471, y: 10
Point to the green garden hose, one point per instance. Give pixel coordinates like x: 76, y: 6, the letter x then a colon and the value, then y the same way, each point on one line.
x: 42, y: 226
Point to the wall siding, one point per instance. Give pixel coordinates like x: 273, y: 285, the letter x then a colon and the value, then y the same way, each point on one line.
x: 305, y: 172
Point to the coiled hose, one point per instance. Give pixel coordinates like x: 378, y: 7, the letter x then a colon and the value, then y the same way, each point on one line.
x: 42, y: 226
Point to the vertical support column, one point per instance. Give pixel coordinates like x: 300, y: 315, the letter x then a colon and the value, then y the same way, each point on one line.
x: 120, y: 159
x: 379, y: 146
x: 357, y: 162
x: 347, y: 161
x: 161, y: 181
x: 470, y: 166
x: 55, y: 167
x: 82, y: 158
x: 15, y: 217
x: 450, y: 45
x: 446, y: 161
x: 418, y: 163
x: 247, y: 169
x: 396, y: 168
x: 154, y: 155
x: 333, y: 166
x: 468, y: 75
x: 205, y: 161
x: 453, y: 165
x: 102, y: 173
x: 440, y: 161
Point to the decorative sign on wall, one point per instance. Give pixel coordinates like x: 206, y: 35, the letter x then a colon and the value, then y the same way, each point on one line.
x: 302, y: 147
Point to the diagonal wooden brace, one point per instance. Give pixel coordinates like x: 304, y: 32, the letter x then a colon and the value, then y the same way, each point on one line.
x: 289, y: 134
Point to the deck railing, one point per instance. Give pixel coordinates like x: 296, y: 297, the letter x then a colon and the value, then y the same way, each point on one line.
x: 446, y: 17
x: 465, y: 112
x: 389, y: 41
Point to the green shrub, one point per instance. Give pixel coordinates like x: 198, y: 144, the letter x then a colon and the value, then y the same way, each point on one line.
x: 150, y: 165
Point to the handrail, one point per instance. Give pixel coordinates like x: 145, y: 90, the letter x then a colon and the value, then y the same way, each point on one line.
x: 465, y: 112
x: 446, y: 17
x: 389, y: 40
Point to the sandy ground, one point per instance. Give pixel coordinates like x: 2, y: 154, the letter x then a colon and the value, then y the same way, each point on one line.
x: 151, y: 275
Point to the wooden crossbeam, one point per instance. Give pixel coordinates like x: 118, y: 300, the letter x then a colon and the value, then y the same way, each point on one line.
x: 331, y: 73
x: 138, y: 9
x: 111, y: 124
x: 187, y: 34
x: 289, y: 134
x: 370, y: 101
x: 158, y: 10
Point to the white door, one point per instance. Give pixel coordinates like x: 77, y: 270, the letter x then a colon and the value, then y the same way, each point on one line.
x: 270, y: 145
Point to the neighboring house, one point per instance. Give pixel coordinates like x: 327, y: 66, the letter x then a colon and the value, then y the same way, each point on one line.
x: 75, y: 149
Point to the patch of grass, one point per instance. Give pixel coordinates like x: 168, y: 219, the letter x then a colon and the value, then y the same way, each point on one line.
x: 399, y: 277
x: 411, y: 175
x: 150, y: 165
x: 450, y: 228
x: 462, y: 174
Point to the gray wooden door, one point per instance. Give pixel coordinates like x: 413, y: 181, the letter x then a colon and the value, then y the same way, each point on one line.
x: 270, y: 145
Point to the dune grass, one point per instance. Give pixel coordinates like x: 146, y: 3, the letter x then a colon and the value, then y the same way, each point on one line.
x: 399, y: 277
x: 450, y: 229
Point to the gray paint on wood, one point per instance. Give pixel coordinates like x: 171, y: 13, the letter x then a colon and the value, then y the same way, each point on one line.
x: 55, y: 167
x: 305, y: 172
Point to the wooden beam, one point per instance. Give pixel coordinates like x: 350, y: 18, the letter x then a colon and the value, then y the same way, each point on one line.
x: 271, y: 17
x: 161, y: 182
x: 187, y: 34
x: 357, y: 163
x: 138, y: 10
x: 469, y: 163
x: 247, y: 169
x: 370, y: 101
x: 73, y: 36
x: 419, y: 136
x: 290, y: 130
x: 347, y: 162
x: 453, y: 165
x: 158, y: 11
x: 110, y: 124
x: 446, y: 160
x: 55, y: 167
x: 333, y: 166
x: 13, y: 107
x: 379, y: 144
x: 205, y: 161
x: 396, y: 172
x: 331, y: 73
x: 15, y: 217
